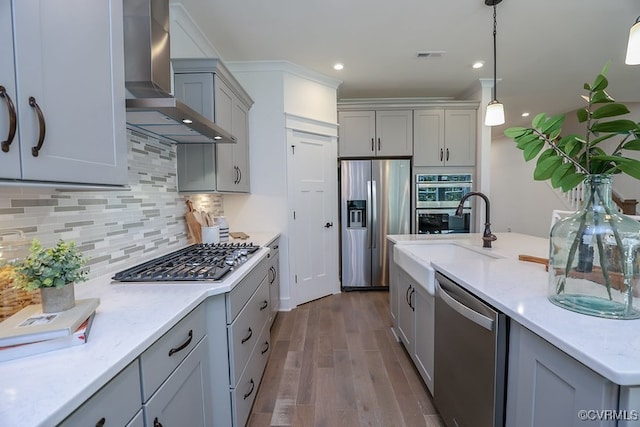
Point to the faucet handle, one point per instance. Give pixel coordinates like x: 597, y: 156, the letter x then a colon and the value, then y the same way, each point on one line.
x: 490, y: 237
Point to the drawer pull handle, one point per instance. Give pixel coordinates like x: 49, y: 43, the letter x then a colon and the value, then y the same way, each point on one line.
x: 41, y: 124
x: 182, y: 347
x: 156, y: 423
x: 101, y: 422
x: 247, y: 338
x: 266, y: 348
x: 12, y: 119
x: 264, y: 305
x: 253, y: 385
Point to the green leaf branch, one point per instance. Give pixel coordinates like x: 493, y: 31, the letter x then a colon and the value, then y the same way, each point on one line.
x: 567, y: 160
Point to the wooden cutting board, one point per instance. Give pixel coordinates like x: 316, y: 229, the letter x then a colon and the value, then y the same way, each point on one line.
x: 193, y: 225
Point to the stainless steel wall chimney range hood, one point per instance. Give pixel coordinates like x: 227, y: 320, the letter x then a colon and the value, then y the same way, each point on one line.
x: 148, y: 79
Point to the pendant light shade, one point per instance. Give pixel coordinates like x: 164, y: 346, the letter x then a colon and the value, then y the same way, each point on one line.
x: 495, y: 114
x: 495, y: 110
x: 633, y: 47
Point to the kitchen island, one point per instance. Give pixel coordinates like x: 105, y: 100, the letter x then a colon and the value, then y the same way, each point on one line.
x: 610, y: 348
x: 42, y: 390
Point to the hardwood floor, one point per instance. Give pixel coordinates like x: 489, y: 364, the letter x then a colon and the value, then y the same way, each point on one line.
x: 335, y: 362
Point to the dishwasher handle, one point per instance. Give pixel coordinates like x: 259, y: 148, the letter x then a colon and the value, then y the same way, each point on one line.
x: 477, y: 318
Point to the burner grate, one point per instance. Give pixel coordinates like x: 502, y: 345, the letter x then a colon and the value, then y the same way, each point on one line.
x: 198, y: 262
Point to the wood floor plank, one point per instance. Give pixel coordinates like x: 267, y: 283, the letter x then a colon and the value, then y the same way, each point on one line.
x: 335, y: 362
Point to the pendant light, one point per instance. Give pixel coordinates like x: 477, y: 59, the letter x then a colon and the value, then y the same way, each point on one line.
x: 633, y: 47
x: 495, y: 110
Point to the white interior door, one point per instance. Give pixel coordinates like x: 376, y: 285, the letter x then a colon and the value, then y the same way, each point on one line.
x: 314, y: 242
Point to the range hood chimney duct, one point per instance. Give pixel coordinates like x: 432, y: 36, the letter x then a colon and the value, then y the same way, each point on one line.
x: 150, y: 105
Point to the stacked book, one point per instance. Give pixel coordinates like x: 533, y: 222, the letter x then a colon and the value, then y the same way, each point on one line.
x: 30, y: 331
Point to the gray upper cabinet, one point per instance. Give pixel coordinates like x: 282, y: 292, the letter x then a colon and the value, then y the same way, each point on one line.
x: 209, y: 88
x: 444, y: 137
x: 380, y: 133
x: 63, y: 91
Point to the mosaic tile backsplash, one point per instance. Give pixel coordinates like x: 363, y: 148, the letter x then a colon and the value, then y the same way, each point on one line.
x: 114, y: 229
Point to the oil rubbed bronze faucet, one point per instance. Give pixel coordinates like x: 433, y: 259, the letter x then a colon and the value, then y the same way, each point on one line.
x: 487, y: 236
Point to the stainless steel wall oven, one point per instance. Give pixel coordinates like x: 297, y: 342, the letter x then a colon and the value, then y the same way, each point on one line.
x: 437, y: 197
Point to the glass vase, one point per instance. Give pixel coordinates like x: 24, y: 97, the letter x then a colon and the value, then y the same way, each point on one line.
x: 594, y: 257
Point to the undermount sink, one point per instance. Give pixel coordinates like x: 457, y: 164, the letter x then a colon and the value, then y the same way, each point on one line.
x: 416, y: 259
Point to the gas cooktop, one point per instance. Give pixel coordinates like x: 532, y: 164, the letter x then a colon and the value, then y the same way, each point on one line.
x: 198, y: 262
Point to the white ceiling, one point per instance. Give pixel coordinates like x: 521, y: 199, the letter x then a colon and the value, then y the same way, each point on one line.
x: 547, y: 49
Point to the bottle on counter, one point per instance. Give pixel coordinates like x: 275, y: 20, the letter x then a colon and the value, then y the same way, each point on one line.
x: 224, y: 228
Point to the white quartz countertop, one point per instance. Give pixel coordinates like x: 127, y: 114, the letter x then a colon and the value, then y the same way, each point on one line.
x: 519, y: 289
x: 42, y: 390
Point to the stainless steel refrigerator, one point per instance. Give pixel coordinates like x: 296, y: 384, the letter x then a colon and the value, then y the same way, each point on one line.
x: 375, y: 200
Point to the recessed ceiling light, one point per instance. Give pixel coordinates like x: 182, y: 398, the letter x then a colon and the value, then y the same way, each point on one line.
x: 187, y: 121
x: 478, y: 64
x: 339, y: 66
x: 525, y: 114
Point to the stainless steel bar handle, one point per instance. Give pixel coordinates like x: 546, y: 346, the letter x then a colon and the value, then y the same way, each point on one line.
x: 43, y: 127
x: 477, y: 318
x: 374, y: 215
x: 13, y: 119
x: 369, y: 214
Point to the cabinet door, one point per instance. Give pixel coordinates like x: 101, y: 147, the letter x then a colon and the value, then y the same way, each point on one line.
x: 241, y: 148
x: 356, y: 133
x: 274, y: 286
x: 406, y: 321
x: 10, y: 160
x: 184, y: 398
x: 196, y: 167
x: 393, y: 287
x: 394, y: 133
x: 113, y: 405
x: 460, y: 137
x: 232, y: 159
x: 424, y: 335
x: 69, y: 58
x: 428, y: 137
x: 547, y: 387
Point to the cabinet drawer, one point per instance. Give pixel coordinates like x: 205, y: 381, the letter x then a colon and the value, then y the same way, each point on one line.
x: 244, y: 331
x: 238, y: 297
x: 159, y: 360
x: 184, y: 399
x: 244, y: 394
x: 116, y: 403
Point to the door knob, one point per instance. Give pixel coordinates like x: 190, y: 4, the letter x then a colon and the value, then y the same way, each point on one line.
x: 329, y: 224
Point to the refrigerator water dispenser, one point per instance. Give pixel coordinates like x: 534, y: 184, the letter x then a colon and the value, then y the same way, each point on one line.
x: 356, y: 214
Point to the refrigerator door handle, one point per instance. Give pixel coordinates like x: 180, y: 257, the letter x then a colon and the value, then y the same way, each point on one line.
x: 369, y: 213
x: 374, y: 215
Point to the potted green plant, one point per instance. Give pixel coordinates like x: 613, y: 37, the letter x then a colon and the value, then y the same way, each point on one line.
x: 594, y: 255
x: 54, y: 271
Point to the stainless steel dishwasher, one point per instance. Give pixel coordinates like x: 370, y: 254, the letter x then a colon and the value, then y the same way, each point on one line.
x: 470, y: 358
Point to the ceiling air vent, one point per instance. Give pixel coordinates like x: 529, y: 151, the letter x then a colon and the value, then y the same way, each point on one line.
x: 430, y: 54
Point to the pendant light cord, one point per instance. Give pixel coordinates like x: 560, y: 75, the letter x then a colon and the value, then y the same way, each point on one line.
x: 495, y: 61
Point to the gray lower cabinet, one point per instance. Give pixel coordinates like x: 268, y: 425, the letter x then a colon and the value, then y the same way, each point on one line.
x: 547, y: 387
x: 184, y: 398
x: 424, y: 345
x: 118, y: 403
x: 240, y: 344
x: 406, y: 308
x: 175, y: 375
x: 274, y: 280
